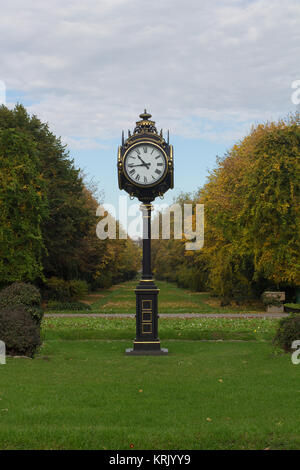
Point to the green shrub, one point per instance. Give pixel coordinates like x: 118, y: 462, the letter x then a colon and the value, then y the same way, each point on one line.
x: 19, y: 331
x: 103, y: 281
x: 58, y: 306
x: 288, y: 331
x: 191, y: 278
x: 65, y: 291
x: 57, y: 289
x: 293, y: 306
x: 20, y: 293
x: 77, y: 288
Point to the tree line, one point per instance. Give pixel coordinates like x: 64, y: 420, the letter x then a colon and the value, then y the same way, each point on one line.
x: 252, y: 219
x: 48, y: 214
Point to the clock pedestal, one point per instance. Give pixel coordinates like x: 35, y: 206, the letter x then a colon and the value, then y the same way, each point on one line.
x: 145, y: 171
x: 147, y: 341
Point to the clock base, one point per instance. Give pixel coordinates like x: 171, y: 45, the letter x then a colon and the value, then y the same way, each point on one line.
x: 146, y: 352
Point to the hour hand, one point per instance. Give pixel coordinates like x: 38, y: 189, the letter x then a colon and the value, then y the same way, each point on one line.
x: 144, y: 163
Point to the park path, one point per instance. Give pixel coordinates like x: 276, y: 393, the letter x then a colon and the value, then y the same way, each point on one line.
x: 170, y: 315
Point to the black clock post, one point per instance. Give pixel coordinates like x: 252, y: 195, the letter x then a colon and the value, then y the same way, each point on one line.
x: 147, y: 340
x: 145, y: 171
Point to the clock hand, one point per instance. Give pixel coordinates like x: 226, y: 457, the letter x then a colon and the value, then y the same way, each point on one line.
x: 131, y: 165
x: 143, y: 161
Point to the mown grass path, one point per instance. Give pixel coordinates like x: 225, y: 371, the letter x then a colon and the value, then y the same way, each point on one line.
x: 120, y: 299
x: 170, y: 315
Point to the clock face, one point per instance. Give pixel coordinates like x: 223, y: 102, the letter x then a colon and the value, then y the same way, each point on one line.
x: 145, y: 164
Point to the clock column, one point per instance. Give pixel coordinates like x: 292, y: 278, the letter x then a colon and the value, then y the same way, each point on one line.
x: 147, y: 341
x: 146, y: 175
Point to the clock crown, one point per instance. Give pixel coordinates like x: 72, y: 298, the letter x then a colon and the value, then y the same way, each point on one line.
x: 145, y: 124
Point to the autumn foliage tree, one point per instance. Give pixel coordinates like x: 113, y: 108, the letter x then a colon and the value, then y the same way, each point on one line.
x: 252, y: 218
x: 48, y: 215
x: 103, y: 262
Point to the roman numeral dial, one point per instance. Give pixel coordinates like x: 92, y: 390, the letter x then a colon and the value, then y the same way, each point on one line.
x: 145, y: 164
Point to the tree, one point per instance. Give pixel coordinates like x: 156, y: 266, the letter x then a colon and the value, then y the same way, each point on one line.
x: 68, y: 220
x: 23, y: 205
x: 252, y: 210
x: 48, y: 217
x: 252, y: 217
x: 103, y: 262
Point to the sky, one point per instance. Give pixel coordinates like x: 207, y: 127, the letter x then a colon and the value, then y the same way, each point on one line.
x: 206, y: 70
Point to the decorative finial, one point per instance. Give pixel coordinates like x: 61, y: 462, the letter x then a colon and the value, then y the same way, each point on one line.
x: 122, y: 137
x: 145, y: 125
x: 145, y: 116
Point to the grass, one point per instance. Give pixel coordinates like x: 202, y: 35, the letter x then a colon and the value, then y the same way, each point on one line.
x: 172, y: 299
x: 232, y: 390
x: 84, y: 328
x: 86, y: 394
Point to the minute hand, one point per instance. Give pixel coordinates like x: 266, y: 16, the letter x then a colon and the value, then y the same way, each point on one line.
x: 131, y: 165
x: 144, y: 163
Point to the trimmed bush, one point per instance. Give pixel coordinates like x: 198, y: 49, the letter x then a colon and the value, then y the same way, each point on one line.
x: 288, y: 331
x: 77, y: 288
x: 57, y: 289
x: 64, y: 291
x: 19, y: 331
x: 103, y: 281
x: 20, y: 293
x: 191, y: 278
x: 292, y: 308
x: 58, y: 306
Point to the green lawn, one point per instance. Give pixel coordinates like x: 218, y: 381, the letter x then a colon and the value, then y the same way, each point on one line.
x: 222, y: 386
x: 172, y: 299
x: 84, y: 328
x: 86, y: 394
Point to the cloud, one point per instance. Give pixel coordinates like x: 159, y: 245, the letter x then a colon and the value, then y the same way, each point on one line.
x: 204, y: 69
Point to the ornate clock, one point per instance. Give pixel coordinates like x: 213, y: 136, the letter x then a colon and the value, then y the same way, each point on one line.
x: 145, y: 162
x: 145, y: 171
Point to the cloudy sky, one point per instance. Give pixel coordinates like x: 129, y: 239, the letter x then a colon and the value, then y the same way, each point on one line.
x: 206, y: 69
